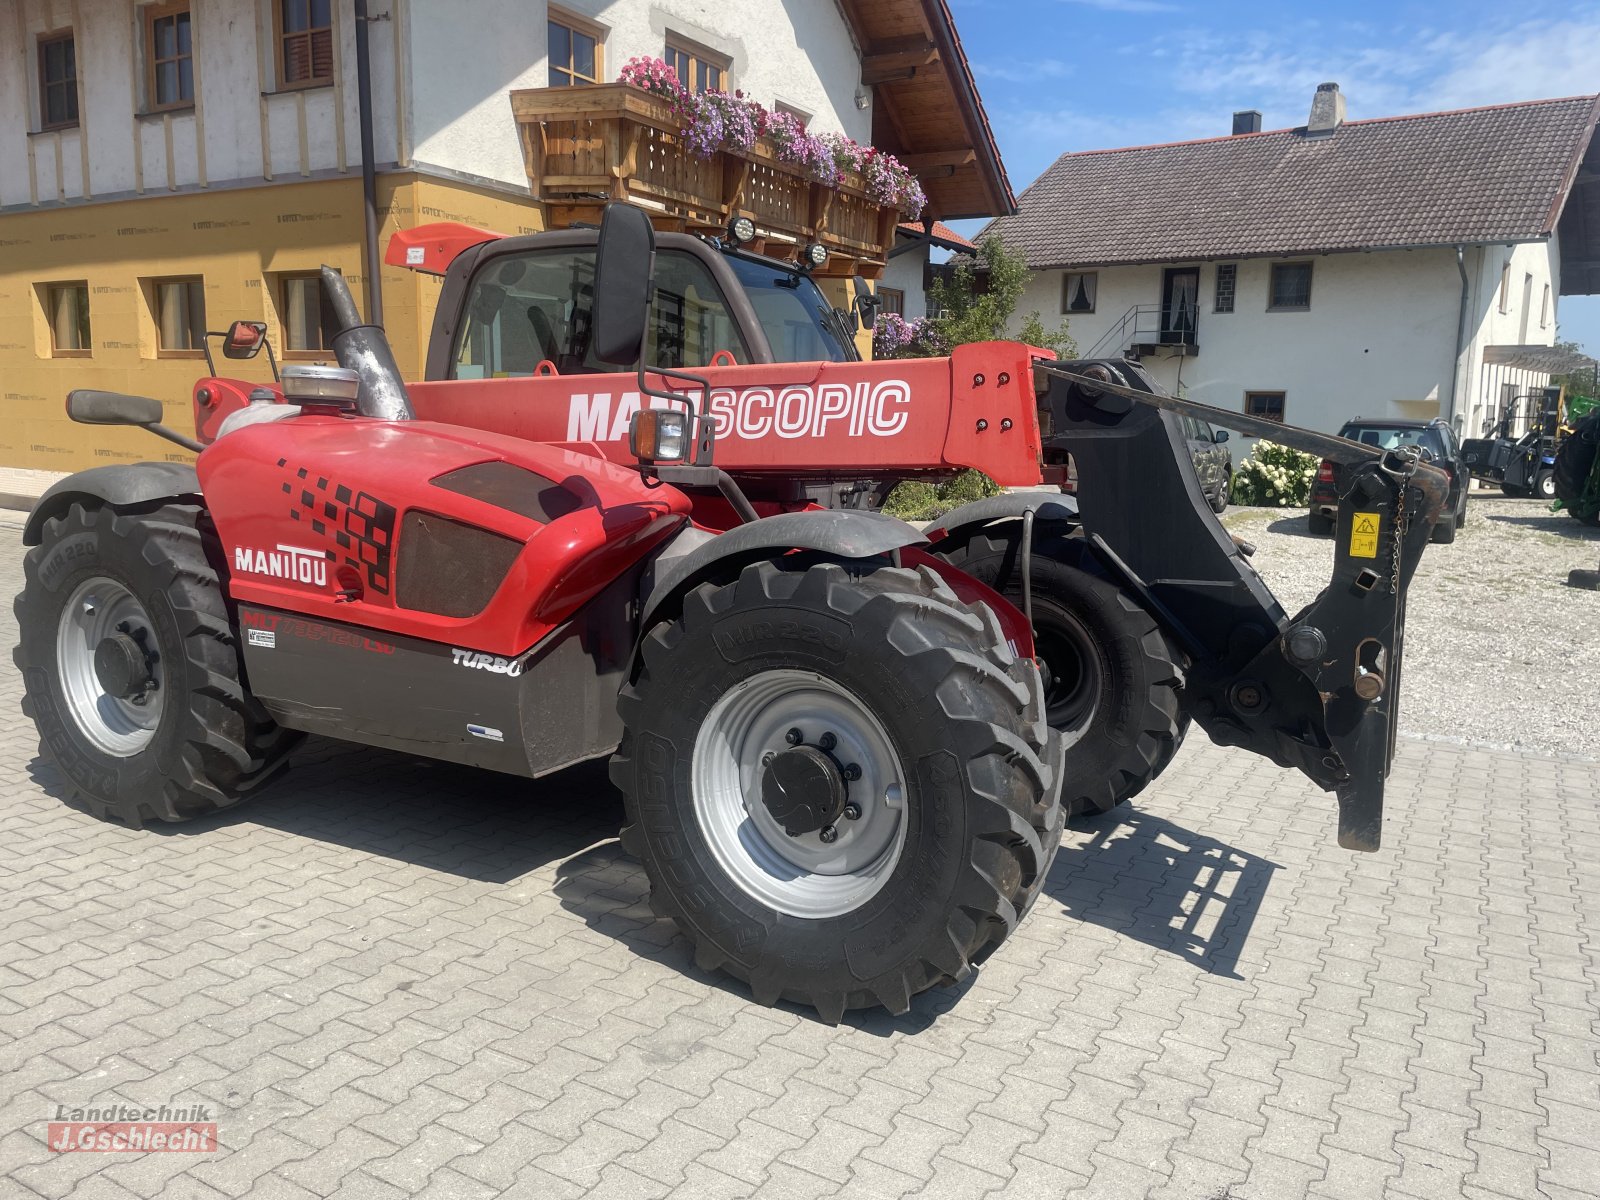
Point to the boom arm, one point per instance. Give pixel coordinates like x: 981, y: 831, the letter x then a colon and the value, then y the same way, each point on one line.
x: 1316, y: 691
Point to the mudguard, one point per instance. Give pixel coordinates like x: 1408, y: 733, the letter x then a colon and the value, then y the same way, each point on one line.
x: 119, y: 487
x: 1047, y: 506
x: 847, y: 533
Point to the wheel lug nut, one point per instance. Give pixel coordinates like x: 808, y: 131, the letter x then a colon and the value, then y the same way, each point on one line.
x: 829, y: 834
x: 852, y: 772
x: 766, y: 759
x: 794, y: 737
x: 827, y: 741
x: 852, y: 812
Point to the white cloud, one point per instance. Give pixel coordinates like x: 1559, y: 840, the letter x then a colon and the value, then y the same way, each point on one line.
x: 1031, y: 71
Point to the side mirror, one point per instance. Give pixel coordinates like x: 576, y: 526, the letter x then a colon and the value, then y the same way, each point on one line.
x: 623, y: 269
x: 866, y: 304
x: 244, y: 339
x: 1219, y: 436
x: 89, y: 407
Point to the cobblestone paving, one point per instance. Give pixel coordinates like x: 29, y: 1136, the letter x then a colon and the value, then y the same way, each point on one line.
x: 394, y: 978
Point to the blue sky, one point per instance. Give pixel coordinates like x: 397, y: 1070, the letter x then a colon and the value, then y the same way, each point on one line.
x: 1060, y: 75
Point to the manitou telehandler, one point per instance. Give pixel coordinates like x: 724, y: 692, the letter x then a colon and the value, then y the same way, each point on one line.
x: 831, y: 738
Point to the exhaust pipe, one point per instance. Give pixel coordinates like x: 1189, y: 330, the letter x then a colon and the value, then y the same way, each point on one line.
x: 365, y: 350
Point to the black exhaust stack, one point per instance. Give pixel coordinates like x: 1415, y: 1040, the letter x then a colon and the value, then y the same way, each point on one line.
x: 365, y: 350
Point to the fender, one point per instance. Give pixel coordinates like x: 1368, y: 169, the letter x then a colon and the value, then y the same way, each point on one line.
x: 1047, y: 505
x: 119, y: 487
x: 846, y: 533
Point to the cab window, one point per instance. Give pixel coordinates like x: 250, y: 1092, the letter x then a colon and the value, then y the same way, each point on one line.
x: 533, y: 307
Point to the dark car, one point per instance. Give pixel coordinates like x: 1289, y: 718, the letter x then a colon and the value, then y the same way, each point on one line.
x: 1213, y: 461
x: 1441, y: 449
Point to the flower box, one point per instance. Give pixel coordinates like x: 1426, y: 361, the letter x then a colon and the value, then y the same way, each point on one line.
x: 585, y: 146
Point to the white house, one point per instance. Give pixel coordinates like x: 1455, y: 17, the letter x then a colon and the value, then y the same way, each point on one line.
x: 1404, y: 266
x: 167, y: 166
x: 906, y: 278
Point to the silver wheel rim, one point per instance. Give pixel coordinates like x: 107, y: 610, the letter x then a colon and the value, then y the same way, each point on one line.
x: 800, y: 876
x: 101, y: 608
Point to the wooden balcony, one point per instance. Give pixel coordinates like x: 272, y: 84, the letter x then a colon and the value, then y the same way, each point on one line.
x: 586, y: 146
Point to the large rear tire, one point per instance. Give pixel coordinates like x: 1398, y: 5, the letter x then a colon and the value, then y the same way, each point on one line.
x: 1113, y: 681
x: 131, y: 667
x: 840, y: 782
x: 1575, y: 464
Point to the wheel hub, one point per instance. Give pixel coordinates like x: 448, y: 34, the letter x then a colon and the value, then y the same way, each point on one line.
x: 803, y: 789
x: 125, y: 669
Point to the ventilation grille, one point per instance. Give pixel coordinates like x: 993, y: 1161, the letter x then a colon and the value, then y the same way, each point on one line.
x: 450, y: 569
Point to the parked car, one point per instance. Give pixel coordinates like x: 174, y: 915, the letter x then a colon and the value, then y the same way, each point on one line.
x: 1439, y: 446
x: 1213, y: 461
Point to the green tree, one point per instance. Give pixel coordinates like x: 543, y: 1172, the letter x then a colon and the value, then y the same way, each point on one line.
x: 976, y: 303
x: 979, y: 297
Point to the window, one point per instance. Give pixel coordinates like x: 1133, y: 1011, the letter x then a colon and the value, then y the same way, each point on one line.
x: 892, y: 300
x: 58, y: 81
x: 1227, y: 284
x: 524, y: 309
x: 1266, y: 405
x: 1544, y: 309
x: 1505, y: 285
x: 1078, y: 290
x: 304, y: 42
x: 799, y: 114
x: 575, y: 51
x: 66, y: 307
x: 300, y: 313
x: 179, y: 309
x: 698, y: 70
x: 1291, y: 286
x: 168, y: 56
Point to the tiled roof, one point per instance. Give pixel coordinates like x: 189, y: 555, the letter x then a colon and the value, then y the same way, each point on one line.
x: 942, y: 235
x: 1475, y: 175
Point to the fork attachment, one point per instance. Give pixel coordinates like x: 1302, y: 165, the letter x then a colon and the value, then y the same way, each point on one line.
x: 1318, y: 691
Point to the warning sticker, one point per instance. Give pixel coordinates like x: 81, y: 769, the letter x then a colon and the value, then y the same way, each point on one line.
x: 1364, y: 535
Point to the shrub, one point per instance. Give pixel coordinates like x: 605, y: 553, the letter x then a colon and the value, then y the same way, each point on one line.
x: 1275, y: 476
x: 915, y: 500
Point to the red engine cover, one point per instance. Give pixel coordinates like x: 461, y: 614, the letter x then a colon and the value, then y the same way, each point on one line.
x: 307, y: 506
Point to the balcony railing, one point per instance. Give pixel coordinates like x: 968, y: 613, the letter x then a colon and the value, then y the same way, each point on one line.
x: 1146, y: 328
x: 585, y: 146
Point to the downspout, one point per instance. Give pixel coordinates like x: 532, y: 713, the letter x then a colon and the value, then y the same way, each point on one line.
x: 1461, y: 334
x: 373, y: 291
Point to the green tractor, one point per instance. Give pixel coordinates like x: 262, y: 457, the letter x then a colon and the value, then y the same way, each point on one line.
x: 1577, y: 466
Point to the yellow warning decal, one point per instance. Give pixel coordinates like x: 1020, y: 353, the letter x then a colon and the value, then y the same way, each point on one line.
x: 1364, y: 535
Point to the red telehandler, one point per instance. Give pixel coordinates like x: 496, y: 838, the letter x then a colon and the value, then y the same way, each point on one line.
x: 832, y: 740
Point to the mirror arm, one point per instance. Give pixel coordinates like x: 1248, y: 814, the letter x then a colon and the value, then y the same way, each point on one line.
x: 176, y: 438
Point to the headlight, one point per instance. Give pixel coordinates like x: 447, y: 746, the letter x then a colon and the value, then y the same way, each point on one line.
x: 741, y: 230
x: 815, y: 255
x: 659, y: 435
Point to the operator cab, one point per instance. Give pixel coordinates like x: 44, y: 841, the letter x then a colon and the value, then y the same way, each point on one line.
x: 523, y: 306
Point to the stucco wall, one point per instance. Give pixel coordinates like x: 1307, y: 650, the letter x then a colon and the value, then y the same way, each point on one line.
x: 1378, y: 339
x: 1533, y: 266
x: 906, y: 273
x: 796, y: 51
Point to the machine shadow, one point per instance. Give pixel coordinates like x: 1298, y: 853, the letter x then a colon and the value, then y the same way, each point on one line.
x: 1296, y: 527
x: 460, y: 820
x: 1561, y: 524
x: 1161, y: 884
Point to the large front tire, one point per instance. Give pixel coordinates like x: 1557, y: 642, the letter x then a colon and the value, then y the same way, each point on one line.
x: 838, y: 688
x: 1113, y: 680
x: 134, y: 599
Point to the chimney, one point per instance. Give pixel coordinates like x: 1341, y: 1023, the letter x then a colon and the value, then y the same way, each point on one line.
x: 1247, y: 121
x: 1327, y: 109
